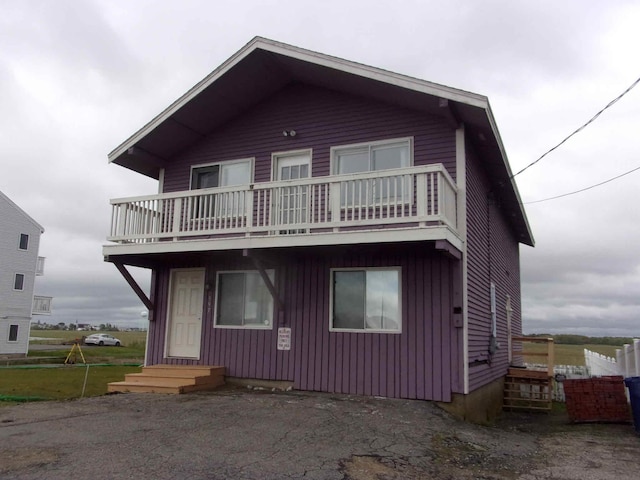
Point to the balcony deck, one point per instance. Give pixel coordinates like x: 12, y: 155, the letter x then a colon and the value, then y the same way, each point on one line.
x: 409, y: 204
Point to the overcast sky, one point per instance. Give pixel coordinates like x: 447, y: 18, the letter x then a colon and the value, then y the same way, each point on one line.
x: 79, y: 77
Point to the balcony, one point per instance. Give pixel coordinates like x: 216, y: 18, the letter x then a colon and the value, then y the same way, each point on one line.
x: 416, y: 203
x: 41, y: 305
x: 40, y: 266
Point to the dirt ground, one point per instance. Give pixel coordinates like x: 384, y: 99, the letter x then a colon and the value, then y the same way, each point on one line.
x: 247, y: 434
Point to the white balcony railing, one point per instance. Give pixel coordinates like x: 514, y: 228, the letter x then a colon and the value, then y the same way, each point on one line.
x: 421, y: 197
x: 40, y: 266
x: 41, y: 305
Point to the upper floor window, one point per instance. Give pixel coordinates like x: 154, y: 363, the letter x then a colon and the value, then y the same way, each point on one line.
x: 18, y: 281
x: 369, y: 157
x: 24, y: 242
x: 366, y: 300
x: 237, y: 172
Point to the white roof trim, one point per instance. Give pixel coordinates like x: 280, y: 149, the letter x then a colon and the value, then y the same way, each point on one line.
x: 25, y: 214
x: 309, y: 56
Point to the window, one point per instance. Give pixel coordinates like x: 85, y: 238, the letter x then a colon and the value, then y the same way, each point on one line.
x: 216, y: 205
x: 371, y: 157
x: 243, y: 300
x: 18, y: 282
x: 236, y: 172
x: 13, y: 333
x: 24, y: 241
x: 366, y: 300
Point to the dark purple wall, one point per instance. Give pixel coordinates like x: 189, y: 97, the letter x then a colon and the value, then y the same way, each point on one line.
x: 322, y: 119
x: 422, y: 362
x: 493, y: 255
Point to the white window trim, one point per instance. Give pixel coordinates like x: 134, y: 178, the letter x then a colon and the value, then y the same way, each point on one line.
x: 17, y: 334
x: 364, y: 330
x: 377, y: 143
x: 242, y: 327
x: 289, y: 153
x: 250, y: 160
x: 24, y: 279
x: 28, y: 242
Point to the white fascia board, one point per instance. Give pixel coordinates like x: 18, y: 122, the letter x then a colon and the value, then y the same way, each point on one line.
x: 374, y: 73
x: 184, y: 99
x: 398, y: 236
x: 22, y: 212
x: 505, y: 161
x: 309, y: 56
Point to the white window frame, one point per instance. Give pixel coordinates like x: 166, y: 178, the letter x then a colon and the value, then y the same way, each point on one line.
x: 255, y: 326
x: 17, y: 334
x: 28, y: 237
x: 407, y: 194
x: 397, y: 269
x: 15, y: 278
x: 370, y: 146
x: 221, y: 165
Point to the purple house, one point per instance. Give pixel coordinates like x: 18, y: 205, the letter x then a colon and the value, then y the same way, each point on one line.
x: 328, y: 224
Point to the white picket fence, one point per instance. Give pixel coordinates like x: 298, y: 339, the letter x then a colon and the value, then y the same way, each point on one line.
x: 626, y: 363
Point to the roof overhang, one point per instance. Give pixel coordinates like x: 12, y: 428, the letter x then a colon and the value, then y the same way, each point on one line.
x: 263, y: 67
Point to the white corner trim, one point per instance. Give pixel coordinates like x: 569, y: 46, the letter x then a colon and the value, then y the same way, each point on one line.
x: 461, y: 182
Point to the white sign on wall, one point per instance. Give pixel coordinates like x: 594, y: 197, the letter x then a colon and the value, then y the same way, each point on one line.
x: 284, y: 338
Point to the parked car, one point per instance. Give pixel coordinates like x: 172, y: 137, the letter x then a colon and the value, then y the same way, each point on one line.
x: 101, y: 339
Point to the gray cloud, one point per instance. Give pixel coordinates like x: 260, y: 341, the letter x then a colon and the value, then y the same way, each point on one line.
x: 77, y: 78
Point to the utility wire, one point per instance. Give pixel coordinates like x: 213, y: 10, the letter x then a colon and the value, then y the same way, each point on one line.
x: 612, y: 102
x: 584, y: 189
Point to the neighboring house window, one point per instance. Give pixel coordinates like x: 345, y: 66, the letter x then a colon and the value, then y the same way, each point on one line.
x: 24, y: 241
x: 366, y: 300
x: 18, y: 282
x: 371, y: 157
x: 13, y: 333
x: 243, y: 300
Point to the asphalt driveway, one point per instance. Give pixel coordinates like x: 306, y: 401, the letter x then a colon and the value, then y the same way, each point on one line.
x: 243, y: 434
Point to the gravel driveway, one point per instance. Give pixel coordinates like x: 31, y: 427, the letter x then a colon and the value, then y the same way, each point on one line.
x: 244, y: 434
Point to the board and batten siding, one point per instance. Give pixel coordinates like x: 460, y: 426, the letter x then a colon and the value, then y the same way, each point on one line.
x: 493, y: 256
x: 422, y: 362
x: 322, y: 119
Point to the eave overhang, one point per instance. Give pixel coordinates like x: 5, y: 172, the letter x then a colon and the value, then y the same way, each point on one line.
x: 263, y: 67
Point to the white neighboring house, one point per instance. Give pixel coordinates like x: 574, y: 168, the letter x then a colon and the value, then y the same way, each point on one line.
x: 19, y: 266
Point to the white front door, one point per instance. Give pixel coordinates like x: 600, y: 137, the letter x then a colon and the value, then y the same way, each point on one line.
x: 292, y: 201
x: 185, y: 315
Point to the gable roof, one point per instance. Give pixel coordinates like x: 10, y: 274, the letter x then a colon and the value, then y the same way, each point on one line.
x: 22, y: 212
x: 263, y: 67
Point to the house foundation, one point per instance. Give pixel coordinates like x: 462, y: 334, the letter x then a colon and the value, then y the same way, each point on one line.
x: 480, y: 406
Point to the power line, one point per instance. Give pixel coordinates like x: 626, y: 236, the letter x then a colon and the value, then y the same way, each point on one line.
x: 584, y: 189
x: 612, y: 102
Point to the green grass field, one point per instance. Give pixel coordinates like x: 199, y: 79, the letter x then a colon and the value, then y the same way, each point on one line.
x: 59, y: 382
x: 567, y: 354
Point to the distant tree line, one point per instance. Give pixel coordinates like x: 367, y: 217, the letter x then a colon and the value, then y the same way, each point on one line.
x: 567, y: 339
